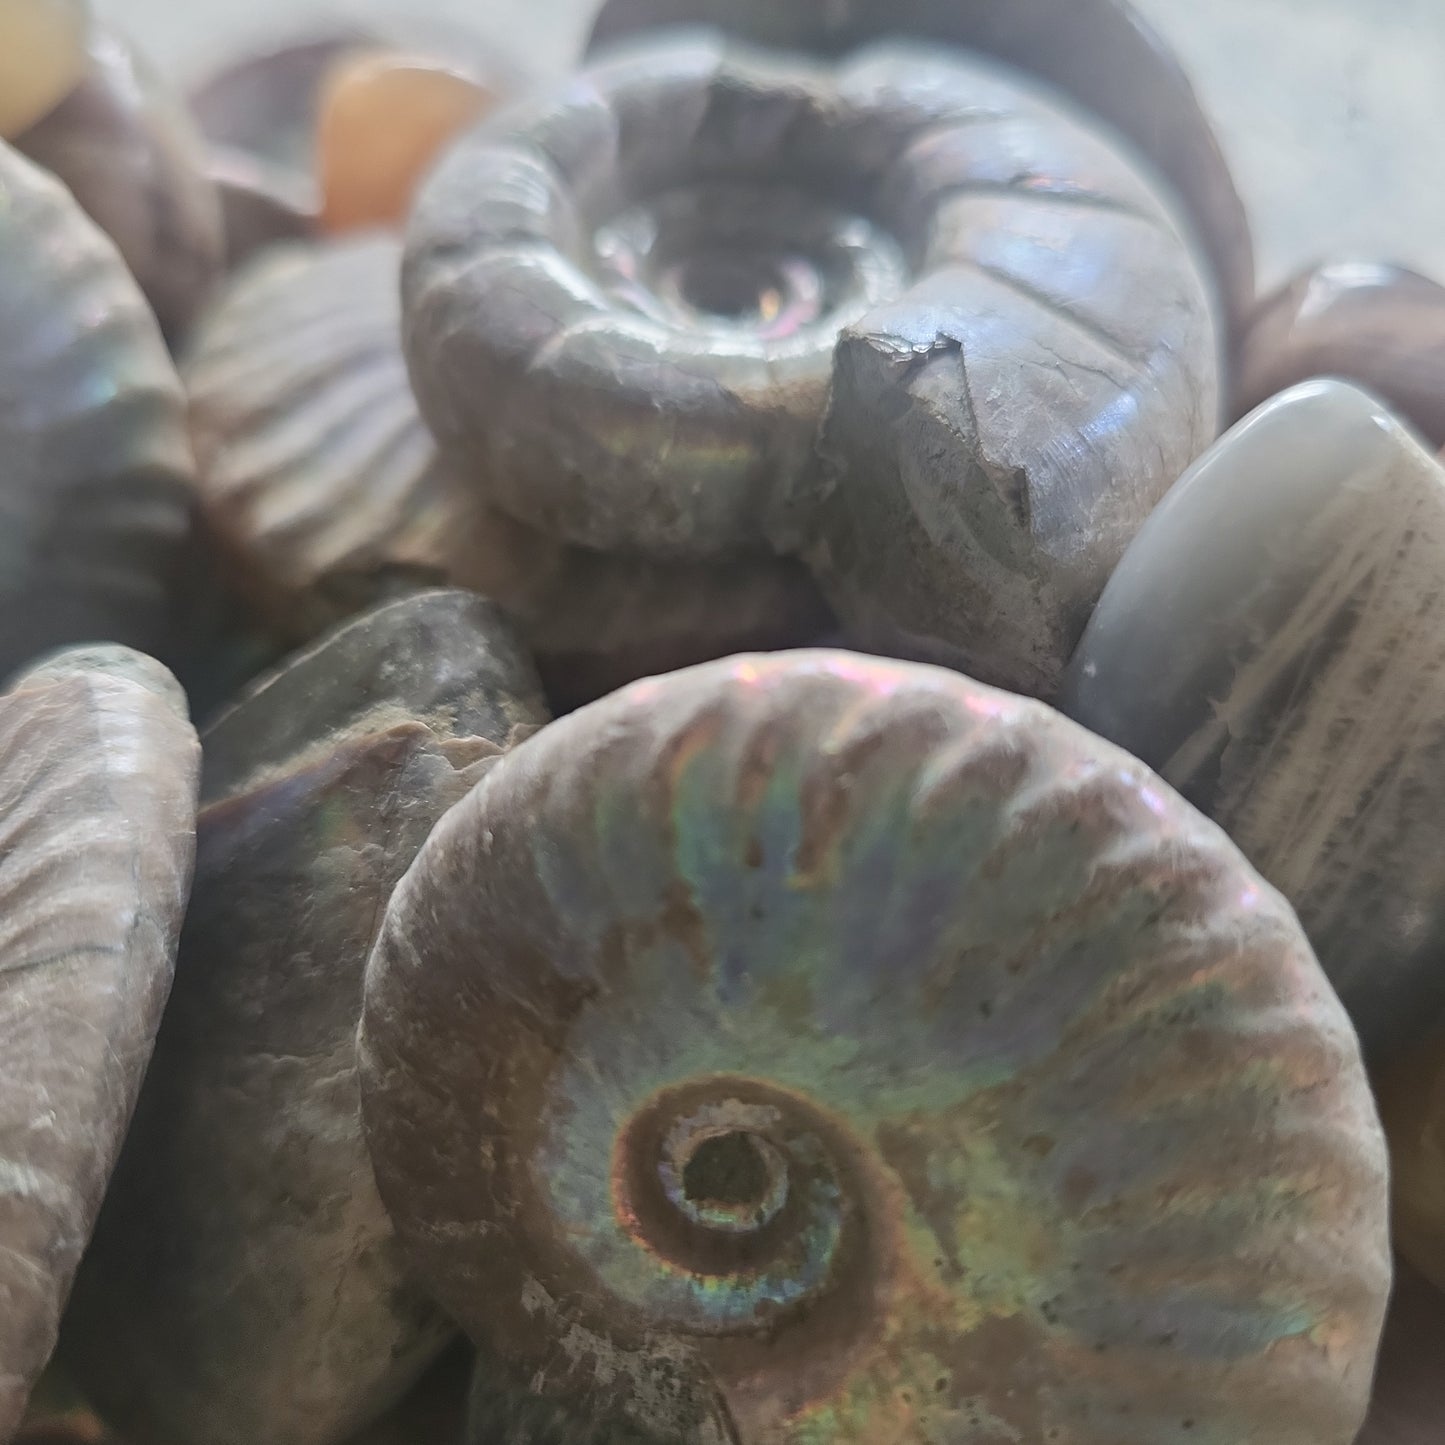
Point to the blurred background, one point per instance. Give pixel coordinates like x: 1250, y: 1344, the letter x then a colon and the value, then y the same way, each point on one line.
x: 1331, y: 110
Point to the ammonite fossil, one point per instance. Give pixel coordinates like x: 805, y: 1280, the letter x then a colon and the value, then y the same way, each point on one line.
x: 129, y: 153
x: 816, y: 1048
x: 1380, y: 326
x: 621, y: 307
x: 42, y: 57
x: 243, y: 1284
x: 1271, y: 644
x: 324, y: 489
x: 95, y: 466
x: 1101, y: 53
x: 98, y: 775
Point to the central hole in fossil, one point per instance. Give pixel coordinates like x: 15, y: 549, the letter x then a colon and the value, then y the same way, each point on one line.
x: 733, y: 285
x: 728, y: 1170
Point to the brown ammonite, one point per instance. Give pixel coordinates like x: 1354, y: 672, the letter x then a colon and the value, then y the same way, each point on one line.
x: 621, y: 301
x: 815, y: 1048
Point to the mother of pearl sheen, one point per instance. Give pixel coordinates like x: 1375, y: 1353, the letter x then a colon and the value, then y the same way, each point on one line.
x: 42, y: 57
x: 1273, y: 643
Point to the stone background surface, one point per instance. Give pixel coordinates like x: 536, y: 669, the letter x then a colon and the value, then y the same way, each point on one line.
x: 1331, y: 110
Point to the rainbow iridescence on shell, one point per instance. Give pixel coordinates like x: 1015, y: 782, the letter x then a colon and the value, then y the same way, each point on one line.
x: 1046, y: 1080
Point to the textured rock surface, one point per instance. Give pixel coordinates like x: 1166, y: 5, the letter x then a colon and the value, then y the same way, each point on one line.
x: 244, y: 1284
x: 95, y: 466
x: 996, y: 437
x: 1044, y: 1123
x: 124, y: 145
x: 1380, y: 326
x: 98, y: 776
x: 1272, y: 645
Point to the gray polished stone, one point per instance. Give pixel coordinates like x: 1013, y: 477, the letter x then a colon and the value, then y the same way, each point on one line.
x: 1273, y: 644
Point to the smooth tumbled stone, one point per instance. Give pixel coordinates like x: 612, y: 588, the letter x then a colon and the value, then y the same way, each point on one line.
x: 1273, y: 643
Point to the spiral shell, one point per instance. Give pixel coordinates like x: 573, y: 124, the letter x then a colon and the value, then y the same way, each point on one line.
x: 323, y: 486
x: 95, y: 467
x: 98, y: 773
x: 1271, y: 643
x: 243, y: 1284
x: 130, y: 155
x: 1102, y: 54
x: 1378, y: 325
x: 814, y: 1048
x: 1028, y: 357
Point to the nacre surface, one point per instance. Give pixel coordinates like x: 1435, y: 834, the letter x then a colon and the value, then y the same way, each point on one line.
x: 814, y: 1048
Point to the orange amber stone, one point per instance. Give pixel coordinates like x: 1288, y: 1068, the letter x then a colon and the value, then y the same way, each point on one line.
x: 42, y: 57
x: 383, y: 119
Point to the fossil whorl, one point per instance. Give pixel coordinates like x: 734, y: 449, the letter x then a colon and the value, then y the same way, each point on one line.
x: 1028, y: 355
x: 95, y: 465
x: 1102, y: 54
x: 131, y: 156
x: 243, y: 1284
x: 817, y: 1048
x: 317, y: 475
x: 323, y: 486
x: 1378, y: 325
x: 98, y: 774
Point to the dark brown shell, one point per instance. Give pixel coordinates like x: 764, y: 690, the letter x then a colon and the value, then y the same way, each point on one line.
x: 554, y: 360
x: 1408, y: 1400
x: 1380, y: 326
x: 1101, y: 53
x: 1056, y: 1130
x: 323, y: 486
x: 95, y: 465
x: 243, y: 1284
x: 1273, y: 643
x: 130, y: 155
x: 98, y: 775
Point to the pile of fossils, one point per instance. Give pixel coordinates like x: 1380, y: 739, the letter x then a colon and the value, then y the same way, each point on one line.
x: 818, y: 815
